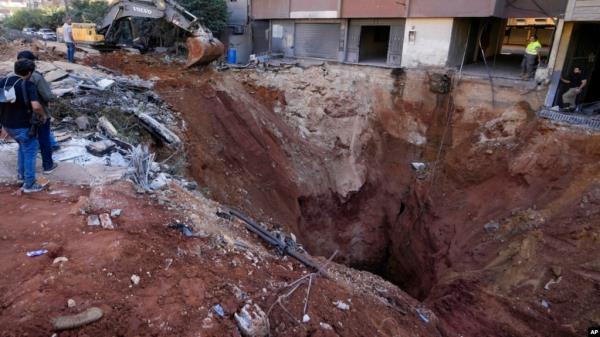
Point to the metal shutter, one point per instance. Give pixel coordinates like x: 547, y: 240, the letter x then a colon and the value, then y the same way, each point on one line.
x: 317, y: 40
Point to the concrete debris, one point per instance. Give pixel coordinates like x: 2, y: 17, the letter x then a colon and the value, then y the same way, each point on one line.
x: 341, y: 305
x: 82, y: 122
x: 325, y: 326
x: 55, y: 75
x: 101, y: 148
x: 115, y: 213
x: 160, y: 182
x: 93, y: 220
x: 116, y: 159
x: 252, y: 321
x: 107, y: 127
x: 88, y: 316
x: 106, y: 221
x: 135, y: 279
x: 71, y: 303
x: 159, y: 130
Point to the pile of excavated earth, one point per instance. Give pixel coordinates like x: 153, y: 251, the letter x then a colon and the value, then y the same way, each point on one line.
x: 299, y: 199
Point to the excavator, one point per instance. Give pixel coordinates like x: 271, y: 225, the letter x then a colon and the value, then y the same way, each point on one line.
x: 202, y: 46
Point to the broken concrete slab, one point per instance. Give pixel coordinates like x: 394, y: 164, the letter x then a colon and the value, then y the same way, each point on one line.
x: 101, y: 148
x: 44, y: 67
x: 55, y: 75
x: 106, y: 222
x: 79, y: 69
x: 159, y: 130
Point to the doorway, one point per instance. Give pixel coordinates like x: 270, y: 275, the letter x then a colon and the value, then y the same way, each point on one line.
x: 374, y: 44
x: 584, y: 51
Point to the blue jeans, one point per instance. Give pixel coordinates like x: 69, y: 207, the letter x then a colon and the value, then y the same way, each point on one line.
x: 28, y: 148
x: 71, y: 52
x: 45, y: 142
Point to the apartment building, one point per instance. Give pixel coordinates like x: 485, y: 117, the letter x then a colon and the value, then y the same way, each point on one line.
x: 407, y: 33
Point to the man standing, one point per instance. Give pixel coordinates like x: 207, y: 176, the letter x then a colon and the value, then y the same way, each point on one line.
x: 16, y: 118
x: 68, y: 38
x: 575, y: 83
x: 45, y: 96
x: 532, y: 54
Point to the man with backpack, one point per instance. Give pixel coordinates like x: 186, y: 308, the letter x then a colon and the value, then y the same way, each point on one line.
x: 20, y: 111
x: 45, y: 96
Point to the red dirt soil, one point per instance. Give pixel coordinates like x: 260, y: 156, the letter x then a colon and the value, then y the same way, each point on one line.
x: 540, y: 185
x: 173, y: 298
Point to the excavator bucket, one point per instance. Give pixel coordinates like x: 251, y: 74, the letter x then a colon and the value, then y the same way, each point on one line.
x: 202, y: 50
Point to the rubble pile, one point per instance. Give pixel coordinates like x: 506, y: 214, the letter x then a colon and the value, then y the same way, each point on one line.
x: 99, y: 117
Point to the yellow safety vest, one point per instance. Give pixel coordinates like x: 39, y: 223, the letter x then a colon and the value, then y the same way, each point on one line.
x: 532, y: 48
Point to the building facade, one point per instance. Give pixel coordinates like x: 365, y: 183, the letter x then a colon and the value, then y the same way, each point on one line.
x: 407, y: 33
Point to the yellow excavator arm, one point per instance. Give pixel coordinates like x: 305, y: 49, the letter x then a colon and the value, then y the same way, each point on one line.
x: 202, y: 46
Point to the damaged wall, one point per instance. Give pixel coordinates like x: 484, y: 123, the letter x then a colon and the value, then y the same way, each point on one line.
x: 426, y: 42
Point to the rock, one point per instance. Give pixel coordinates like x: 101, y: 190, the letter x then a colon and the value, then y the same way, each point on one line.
x: 60, y: 259
x: 305, y: 318
x: 74, y: 321
x: 101, y: 148
x: 135, y: 279
x: 491, y: 226
x: 115, y: 213
x: 545, y: 304
x: 106, y: 222
x: 341, y: 305
x: 93, y: 220
x: 252, y: 321
x: 83, y: 123
x: 160, y: 182
x: 325, y: 326
x: 71, y: 303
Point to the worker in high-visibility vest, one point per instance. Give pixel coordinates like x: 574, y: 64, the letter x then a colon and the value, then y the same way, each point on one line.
x: 532, y: 55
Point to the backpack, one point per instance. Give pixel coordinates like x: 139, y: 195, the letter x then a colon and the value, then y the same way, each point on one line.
x: 8, y: 96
